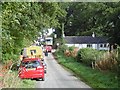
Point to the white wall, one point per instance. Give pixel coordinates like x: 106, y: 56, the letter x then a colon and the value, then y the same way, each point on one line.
x: 69, y: 45
x: 94, y: 46
x: 77, y: 45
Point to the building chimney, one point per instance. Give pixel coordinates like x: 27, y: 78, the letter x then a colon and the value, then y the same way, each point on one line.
x: 93, y: 34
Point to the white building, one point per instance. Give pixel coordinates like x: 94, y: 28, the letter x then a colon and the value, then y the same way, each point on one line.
x: 99, y: 43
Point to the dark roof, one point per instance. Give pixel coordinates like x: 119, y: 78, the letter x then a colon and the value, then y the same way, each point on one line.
x: 85, y: 40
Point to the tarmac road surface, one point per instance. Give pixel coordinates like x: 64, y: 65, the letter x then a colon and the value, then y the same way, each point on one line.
x: 58, y: 77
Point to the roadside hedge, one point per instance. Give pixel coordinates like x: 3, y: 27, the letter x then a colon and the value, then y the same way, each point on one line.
x: 62, y: 48
x: 102, y: 60
x: 88, y: 55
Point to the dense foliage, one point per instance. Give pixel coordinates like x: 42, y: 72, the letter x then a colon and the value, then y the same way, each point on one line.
x: 84, y: 18
x: 88, y: 55
x: 22, y: 22
x: 101, y: 60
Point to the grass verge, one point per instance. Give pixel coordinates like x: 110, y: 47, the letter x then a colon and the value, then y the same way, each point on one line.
x: 28, y: 83
x: 92, y: 77
x: 11, y: 80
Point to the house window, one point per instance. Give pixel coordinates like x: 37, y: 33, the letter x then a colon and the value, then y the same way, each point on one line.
x: 105, y: 45
x: 32, y: 51
x: 89, y: 45
x: 101, y: 45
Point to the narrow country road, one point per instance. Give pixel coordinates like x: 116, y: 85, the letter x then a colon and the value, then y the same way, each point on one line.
x: 58, y: 77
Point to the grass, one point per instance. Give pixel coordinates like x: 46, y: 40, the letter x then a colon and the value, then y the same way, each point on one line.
x: 11, y: 80
x: 28, y: 83
x: 92, y: 77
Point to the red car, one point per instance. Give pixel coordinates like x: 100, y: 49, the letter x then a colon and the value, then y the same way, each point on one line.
x: 31, y: 68
x: 48, y: 48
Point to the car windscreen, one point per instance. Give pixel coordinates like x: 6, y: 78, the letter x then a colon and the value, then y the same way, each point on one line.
x: 30, y: 64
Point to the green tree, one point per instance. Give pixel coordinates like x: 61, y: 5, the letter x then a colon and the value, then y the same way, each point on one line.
x: 101, y: 18
x: 21, y: 22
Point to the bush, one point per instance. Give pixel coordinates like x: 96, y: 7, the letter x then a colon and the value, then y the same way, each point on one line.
x: 6, y: 57
x: 88, y: 55
x: 71, y: 48
x: 62, y: 48
x: 101, y: 60
x: 69, y: 52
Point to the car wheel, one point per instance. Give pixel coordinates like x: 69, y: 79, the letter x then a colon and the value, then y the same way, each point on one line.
x: 45, y: 71
x: 38, y: 79
x: 43, y: 79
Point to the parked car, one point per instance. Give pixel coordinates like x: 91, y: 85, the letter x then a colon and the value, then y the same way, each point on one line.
x: 31, y: 68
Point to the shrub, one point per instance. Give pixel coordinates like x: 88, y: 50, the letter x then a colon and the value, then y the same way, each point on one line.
x: 67, y: 53
x: 6, y: 57
x: 98, y: 59
x: 87, y: 55
x: 71, y: 48
x: 108, y: 61
x: 71, y: 52
x: 62, y: 48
